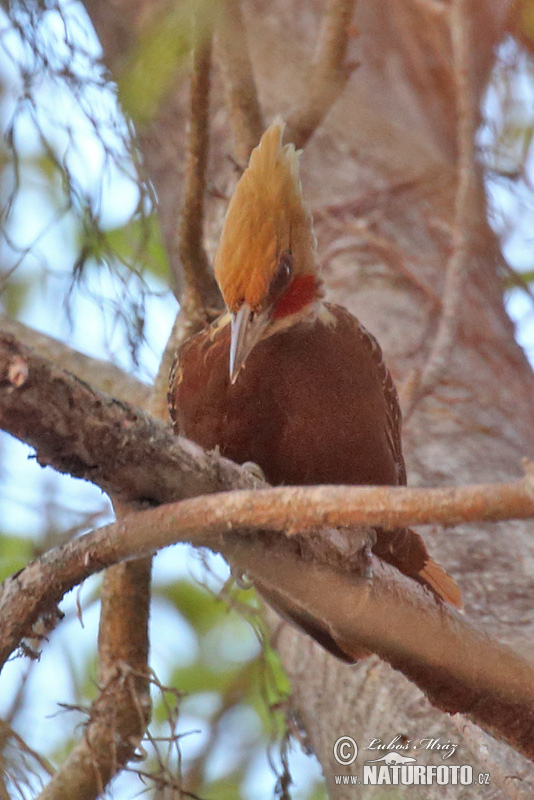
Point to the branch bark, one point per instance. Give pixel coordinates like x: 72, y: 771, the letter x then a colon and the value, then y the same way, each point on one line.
x: 461, y: 669
x: 241, y: 93
x: 200, y: 291
x: 27, y: 380
x: 95, y: 437
x: 100, y: 374
x: 121, y: 712
x: 465, y: 213
x: 89, y: 435
x: 328, y: 76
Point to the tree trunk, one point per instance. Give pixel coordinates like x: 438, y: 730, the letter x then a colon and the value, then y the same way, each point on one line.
x: 381, y: 177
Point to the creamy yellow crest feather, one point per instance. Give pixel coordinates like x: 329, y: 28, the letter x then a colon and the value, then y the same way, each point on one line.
x: 266, y: 217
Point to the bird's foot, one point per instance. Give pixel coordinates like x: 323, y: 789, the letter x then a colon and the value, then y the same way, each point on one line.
x: 255, y: 471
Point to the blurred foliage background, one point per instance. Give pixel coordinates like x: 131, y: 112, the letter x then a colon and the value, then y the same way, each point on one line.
x: 82, y: 259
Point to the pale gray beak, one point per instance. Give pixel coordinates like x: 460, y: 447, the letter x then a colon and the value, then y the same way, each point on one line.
x: 248, y: 328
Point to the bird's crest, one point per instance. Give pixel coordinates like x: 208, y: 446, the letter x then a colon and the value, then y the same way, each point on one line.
x: 266, y: 219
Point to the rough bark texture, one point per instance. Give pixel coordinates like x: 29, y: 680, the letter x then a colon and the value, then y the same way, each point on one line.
x: 92, y: 436
x: 100, y: 374
x: 381, y: 177
x: 494, y: 686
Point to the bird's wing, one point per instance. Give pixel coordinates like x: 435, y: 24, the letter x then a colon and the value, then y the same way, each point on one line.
x: 402, y: 547
x: 394, y: 416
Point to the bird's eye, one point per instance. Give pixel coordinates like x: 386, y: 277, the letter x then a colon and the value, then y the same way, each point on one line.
x: 282, y: 277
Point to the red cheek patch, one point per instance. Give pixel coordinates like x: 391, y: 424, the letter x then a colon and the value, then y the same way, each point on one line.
x: 302, y: 291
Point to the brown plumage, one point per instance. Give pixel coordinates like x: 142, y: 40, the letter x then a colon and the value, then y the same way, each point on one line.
x: 294, y: 384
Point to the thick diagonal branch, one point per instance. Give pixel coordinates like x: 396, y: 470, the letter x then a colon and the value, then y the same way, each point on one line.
x: 101, y: 374
x: 44, y: 405
x: 206, y: 521
x: 92, y: 436
x: 89, y: 435
x: 461, y: 669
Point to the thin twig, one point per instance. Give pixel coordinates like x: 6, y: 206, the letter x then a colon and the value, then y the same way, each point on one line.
x: 7, y: 732
x: 200, y: 290
x: 456, y: 272
x: 110, y: 738
x: 242, y: 96
x: 329, y: 73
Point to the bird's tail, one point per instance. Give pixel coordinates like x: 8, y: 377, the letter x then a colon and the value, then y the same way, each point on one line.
x: 441, y: 583
x: 406, y: 550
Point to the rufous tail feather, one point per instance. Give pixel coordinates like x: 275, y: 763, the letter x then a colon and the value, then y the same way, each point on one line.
x: 441, y: 582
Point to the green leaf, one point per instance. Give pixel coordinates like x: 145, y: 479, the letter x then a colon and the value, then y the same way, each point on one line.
x: 138, y: 241
x: 15, y: 292
x: 228, y: 788
x: 518, y: 280
x: 15, y: 552
x: 199, y: 677
x: 137, y: 244
x: 161, y: 53
x: 201, y: 609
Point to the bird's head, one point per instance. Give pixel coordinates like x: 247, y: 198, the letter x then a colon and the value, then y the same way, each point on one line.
x: 265, y: 262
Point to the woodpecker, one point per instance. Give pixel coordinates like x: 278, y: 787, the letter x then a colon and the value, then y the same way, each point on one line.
x: 286, y: 380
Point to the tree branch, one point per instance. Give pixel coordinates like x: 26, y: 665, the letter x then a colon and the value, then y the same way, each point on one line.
x: 203, y: 521
x: 120, y: 713
x: 200, y: 291
x: 461, y: 669
x: 328, y: 76
x: 242, y: 97
x: 418, y: 386
x: 89, y: 435
x: 101, y: 374
x: 50, y: 406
